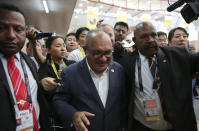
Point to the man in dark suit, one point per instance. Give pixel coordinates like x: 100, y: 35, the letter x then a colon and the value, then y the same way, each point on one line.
x: 121, y: 31
x: 92, y: 95
x: 17, y: 104
x: 162, y: 101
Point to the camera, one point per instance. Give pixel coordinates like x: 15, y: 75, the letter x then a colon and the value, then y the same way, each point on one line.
x: 57, y: 80
x: 189, y: 12
x: 40, y: 35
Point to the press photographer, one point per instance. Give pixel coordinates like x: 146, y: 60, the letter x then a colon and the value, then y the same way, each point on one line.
x: 38, y: 34
x: 36, y: 41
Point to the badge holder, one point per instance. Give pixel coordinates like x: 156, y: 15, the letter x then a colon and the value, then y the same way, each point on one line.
x: 24, y: 120
x: 151, y: 109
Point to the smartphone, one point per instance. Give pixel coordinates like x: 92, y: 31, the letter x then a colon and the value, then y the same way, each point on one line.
x: 57, y: 80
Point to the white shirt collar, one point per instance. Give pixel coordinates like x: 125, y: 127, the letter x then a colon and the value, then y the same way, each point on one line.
x: 143, y: 58
x: 91, y: 71
x: 17, y: 55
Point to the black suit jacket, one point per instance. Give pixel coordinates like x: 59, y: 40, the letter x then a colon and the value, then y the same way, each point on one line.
x: 7, y: 111
x: 79, y: 93
x: 46, y: 70
x: 118, y: 54
x: 176, y: 66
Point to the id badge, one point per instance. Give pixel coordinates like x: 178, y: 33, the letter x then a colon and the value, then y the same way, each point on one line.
x: 24, y: 120
x: 151, y: 109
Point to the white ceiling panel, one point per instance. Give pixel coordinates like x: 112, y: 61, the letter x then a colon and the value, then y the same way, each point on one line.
x: 57, y: 20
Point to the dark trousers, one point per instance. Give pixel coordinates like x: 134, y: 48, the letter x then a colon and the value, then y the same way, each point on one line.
x: 137, y: 126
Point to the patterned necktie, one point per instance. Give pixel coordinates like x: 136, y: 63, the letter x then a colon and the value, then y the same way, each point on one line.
x: 152, y: 66
x: 156, y: 78
x: 157, y: 84
x: 20, y: 90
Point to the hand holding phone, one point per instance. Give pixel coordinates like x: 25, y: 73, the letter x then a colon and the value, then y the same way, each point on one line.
x: 57, y: 80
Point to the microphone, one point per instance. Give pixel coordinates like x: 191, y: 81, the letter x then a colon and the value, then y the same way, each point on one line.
x: 175, y: 5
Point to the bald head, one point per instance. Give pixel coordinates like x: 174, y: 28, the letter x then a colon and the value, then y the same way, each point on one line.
x: 145, y: 38
x: 141, y: 27
x: 98, y: 48
x: 96, y: 33
x: 109, y: 30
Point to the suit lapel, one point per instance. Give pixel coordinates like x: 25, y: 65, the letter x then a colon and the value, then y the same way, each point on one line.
x: 3, y: 78
x: 130, y: 83
x: 130, y: 73
x: 132, y: 61
x: 111, y: 86
x: 164, y: 71
x: 89, y: 82
x: 31, y: 66
x: 3, y: 75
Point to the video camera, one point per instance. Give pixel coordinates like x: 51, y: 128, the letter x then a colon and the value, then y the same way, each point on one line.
x: 40, y: 35
x: 189, y: 12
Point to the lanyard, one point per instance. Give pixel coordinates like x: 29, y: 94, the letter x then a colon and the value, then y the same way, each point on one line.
x: 82, y: 52
x: 26, y: 79
x: 156, y: 79
x: 63, y: 65
x: 54, y: 68
x: 139, y: 74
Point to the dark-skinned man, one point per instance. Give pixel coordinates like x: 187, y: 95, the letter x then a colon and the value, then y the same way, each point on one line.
x: 159, y: 84
x: 22, y: 102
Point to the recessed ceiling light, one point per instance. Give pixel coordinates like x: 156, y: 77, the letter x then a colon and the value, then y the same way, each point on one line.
x: 45, y: 6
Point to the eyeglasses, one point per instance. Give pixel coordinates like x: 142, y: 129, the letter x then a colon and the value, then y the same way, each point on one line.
x: 119, y: 30
x: 99, y: 54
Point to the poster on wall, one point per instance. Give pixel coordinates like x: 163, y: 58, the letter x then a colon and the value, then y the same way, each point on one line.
x: 92, y: 17
x: 121, y: 15
x: 146, y: 17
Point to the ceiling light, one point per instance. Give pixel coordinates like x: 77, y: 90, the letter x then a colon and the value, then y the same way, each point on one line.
x: 45, y: 6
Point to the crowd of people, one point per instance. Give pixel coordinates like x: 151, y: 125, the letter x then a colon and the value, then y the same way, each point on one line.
x: 96, y: 80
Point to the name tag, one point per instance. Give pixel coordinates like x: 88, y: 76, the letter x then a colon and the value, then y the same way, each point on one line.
x: 24, y: 120
x: 151, y: 109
